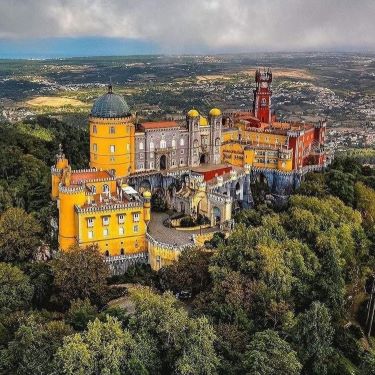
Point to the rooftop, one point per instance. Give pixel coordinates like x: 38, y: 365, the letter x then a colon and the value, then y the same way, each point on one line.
x: 110, y: 105
x: 83, y: 176
x: 158, y: 125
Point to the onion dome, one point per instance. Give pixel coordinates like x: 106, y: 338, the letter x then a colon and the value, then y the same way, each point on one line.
x: 147, y: 194
x: 110, y: 105
x: 193, y: 113
x: 215, y: 112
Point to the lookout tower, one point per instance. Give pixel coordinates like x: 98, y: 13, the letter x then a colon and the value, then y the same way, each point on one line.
x: 262, y: 95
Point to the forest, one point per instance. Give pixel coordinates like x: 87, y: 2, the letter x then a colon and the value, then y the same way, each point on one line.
x: 290, y: 291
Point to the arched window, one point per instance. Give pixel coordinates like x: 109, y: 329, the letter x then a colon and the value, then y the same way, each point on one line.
x: 112, y: 130
x: 95, y: 147
x: 93, y: 188
x: 217, y: 142
x: 182, y: 142
x: 173, y: 143
x: 152, y: 146
x: 105, y: 188
x: 107, y: 253
x: 163, y: 143
x: 94, y: 129
x: 141, y: 146
x: 122, y: 251
x: 263, y: 102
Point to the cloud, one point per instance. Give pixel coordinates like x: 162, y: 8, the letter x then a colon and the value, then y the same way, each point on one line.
x: 199, y: 25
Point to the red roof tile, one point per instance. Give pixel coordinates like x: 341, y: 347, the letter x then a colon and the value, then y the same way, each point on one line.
x: 77, y: 177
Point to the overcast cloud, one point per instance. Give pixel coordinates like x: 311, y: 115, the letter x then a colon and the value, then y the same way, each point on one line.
x: 199, y: 25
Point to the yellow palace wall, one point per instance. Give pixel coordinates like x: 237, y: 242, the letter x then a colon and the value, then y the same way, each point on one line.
x: 132, y: 241
x: 112, y: 132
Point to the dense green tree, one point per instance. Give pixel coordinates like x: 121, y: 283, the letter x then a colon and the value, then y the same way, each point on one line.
x: 81, y: 273
x: 16, y: 290
x: 198, y: 356
x: 80, y: 313
x: 33, y: 347
x: 189, y: 273
x: 20, y: 235
x: 268, y: 354
x: 368, y: 364
x: 314, y: 185
x: 341, y: 185
x: 313, y: 336
x: 99, y: 350
x: 185, y: 345
x: 41, y: 277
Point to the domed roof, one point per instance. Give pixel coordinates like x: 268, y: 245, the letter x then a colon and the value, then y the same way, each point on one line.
x: 193, y: 113
x: 147, y: 194
x: 110, y: 105
x: 215, y: 112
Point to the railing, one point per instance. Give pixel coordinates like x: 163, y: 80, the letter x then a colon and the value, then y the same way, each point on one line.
x: 167, y: 246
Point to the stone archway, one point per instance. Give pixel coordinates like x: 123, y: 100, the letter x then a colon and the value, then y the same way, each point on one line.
x: 203, y: 159
x: 145, y: 185
x: 216, y: 214
x: 163, y: 162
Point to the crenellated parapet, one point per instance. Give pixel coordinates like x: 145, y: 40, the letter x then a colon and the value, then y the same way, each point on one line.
x: 71, y: 189
x: 108, y: 207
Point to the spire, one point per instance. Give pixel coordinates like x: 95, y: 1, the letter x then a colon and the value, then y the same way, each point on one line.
x: 60, y: 154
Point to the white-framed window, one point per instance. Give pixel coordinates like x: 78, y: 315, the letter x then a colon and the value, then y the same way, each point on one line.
x: 93, y: 188
x: 141, y: 146
x: 121, y: 231
x: 105, y: 220
x: 163, y: 143
x: 90, y: 222
x: 181, y: 161
x: 140, y: 166
x: 136, y: 217
x: 152, y: 165
x: 105, y: 232
x: 121, y: 219
x: 112, y: 130
x: 182, y: 142
x: 112, y: 149
x: 95, y: 147
x: 105, y: 188
x: 152, y: 146
x: 90, y: 234
x: 173, y: 143
x: 136, y: 228
x: 94, y: 129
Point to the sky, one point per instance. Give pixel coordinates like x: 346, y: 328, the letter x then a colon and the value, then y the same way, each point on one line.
x: 63, y: 28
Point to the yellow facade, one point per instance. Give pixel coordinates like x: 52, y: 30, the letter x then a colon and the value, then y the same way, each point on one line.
x: 92, y: 212
x: 160, y: 256
x: 112, y: 144
x: 116, y: 231
x: 258, y: 149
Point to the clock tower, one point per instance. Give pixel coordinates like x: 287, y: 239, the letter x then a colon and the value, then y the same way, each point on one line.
x: 262, y: 95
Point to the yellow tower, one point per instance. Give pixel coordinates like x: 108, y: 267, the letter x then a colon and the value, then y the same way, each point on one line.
x: 112, y: 135
x: 57, y: 172
x: 69, y: 197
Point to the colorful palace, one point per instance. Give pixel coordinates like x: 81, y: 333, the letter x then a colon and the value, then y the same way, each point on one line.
x: 202, y: 167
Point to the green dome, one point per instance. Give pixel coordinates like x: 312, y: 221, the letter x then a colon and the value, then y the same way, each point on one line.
x: 110, y: 105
